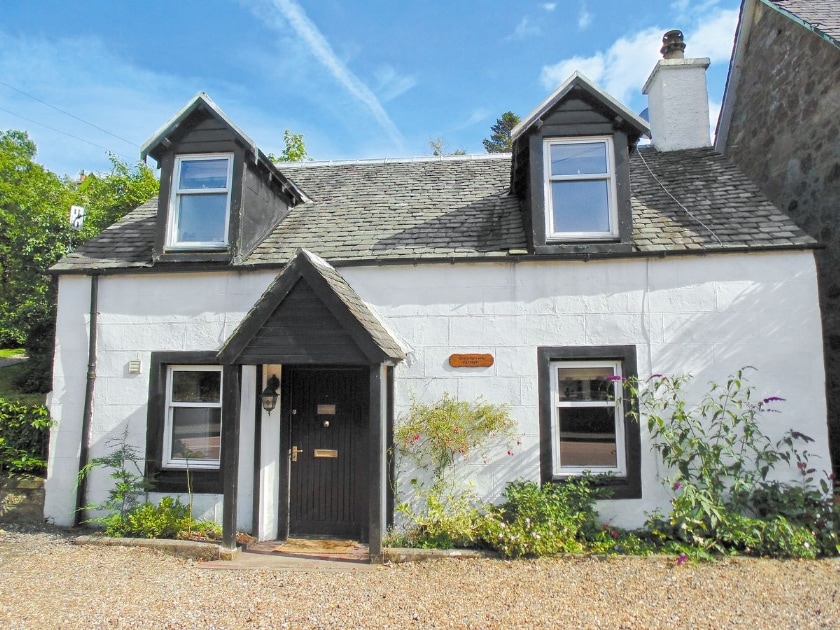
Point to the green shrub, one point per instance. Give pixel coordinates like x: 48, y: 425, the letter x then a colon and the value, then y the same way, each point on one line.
x: 24, y: 436
x: 445, y: 519
x: 536, y: 521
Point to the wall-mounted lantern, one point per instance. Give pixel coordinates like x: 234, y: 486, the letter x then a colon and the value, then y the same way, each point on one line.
x: 269, y: 394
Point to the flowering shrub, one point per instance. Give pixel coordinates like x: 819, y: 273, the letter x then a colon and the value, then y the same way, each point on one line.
x: 720, y: 459
x: 434, y: 438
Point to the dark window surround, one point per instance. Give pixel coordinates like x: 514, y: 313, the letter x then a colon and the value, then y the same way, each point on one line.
x: 166, y: 480
x: 166, y: 253
x: 629, y: 487
x: 538, y: 203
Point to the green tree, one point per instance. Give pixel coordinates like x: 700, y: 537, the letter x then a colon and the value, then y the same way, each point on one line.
x: 294, y: 149
x: 499, y: 141
x: 35, y: 233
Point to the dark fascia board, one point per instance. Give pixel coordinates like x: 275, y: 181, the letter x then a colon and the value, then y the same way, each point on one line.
x: 300, y: 268
x: 578, y: 80
x: 159, y: 142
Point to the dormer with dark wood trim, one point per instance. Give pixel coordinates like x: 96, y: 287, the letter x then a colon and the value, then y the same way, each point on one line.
x: 570, y: 170
x: 219, y: 194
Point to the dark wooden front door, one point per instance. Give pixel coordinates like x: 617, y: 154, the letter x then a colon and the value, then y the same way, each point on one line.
x: 327, y: 439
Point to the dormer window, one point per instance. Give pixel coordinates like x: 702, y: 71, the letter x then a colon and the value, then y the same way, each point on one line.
x: 200, y: 202
x: 580, y: 189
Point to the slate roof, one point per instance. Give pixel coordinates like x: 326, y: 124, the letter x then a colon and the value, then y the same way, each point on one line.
x: 461, y: 208
x: 822, y: 15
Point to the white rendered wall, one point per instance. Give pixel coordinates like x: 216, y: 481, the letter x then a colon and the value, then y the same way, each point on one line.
x: 138, y: 315
x: 706, y: 315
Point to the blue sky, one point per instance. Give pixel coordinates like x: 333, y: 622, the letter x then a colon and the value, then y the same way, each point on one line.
x: 361, y: 79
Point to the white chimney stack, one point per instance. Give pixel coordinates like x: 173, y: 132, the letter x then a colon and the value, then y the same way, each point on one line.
x: 678, y: 100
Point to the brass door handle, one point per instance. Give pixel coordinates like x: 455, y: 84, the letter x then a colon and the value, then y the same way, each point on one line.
x: 295, y: 450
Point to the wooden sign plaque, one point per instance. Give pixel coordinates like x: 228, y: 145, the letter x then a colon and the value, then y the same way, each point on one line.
x: 470, y: 360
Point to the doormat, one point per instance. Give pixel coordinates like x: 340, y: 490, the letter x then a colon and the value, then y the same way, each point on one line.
x: 319, y: 546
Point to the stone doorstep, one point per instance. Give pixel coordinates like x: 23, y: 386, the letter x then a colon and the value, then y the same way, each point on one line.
x: 182, y: 548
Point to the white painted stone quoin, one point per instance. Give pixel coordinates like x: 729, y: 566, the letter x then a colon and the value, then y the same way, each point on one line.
x: 703, y: 315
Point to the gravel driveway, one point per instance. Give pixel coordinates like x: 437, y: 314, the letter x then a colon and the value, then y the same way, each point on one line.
x: 48, y: 582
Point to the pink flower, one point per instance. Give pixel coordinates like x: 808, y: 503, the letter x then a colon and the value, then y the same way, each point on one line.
x: 677, y: 485
x: 614, y: 534
x: 510, y: 452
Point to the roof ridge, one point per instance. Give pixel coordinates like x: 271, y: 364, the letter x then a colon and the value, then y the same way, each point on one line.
x: 399, y: 160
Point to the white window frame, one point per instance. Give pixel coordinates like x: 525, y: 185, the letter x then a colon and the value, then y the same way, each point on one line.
x: 182, y: 463
x: 177, y: 193
x: 609, y: 177
x: 558, y: 470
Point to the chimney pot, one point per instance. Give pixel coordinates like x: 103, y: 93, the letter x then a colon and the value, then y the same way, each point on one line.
x: 673, y: 45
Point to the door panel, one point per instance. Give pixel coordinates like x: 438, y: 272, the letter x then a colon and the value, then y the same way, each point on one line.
x: 327, y: 437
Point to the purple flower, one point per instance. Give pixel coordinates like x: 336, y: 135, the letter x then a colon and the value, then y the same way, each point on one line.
x: 682, y: 558
x: 770, y: 399
x: 615, y: 377
x: 677, y: 485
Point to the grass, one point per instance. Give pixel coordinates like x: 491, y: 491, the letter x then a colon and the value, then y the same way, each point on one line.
x: 7, y: 353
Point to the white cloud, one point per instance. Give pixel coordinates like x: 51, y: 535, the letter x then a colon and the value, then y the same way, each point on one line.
x: 391, y: 84
x: 549, y: 6
x: 714, y: 37
x: 321, y: 49
x: 623, y: 68
x: 524, y: 30
x: 584, y: 18
x: 620, y: 70
x: 714, y: 113
x: 593, y: 67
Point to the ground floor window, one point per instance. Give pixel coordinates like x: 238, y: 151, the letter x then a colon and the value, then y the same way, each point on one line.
x: 184, y: 422
x: 584, y: 420
x: 193, y: 423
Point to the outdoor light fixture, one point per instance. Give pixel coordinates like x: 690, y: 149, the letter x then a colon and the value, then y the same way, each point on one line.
x: 269, y: 394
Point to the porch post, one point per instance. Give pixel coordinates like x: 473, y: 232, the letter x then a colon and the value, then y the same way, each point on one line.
x: 231, y: 378
x: 378, y: 460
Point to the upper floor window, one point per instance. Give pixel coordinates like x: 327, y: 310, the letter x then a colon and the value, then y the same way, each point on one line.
x: 200, y: 205
x: 580, y: 188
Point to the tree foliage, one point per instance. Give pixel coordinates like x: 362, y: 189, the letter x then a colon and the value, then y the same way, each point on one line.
x: 499, y: 141
x: 439, y: 148
x: 294, y: 149
x: 35, y: 233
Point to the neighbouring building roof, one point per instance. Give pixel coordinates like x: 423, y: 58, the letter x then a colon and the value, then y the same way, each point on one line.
x: 460, y: 207
x: 823, y: 16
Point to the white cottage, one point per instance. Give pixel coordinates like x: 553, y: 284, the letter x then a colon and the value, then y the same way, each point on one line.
x: 345, y: 289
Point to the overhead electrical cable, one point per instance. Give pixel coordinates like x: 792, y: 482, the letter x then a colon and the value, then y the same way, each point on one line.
x: 70, y: 135
x: 58, y: 109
